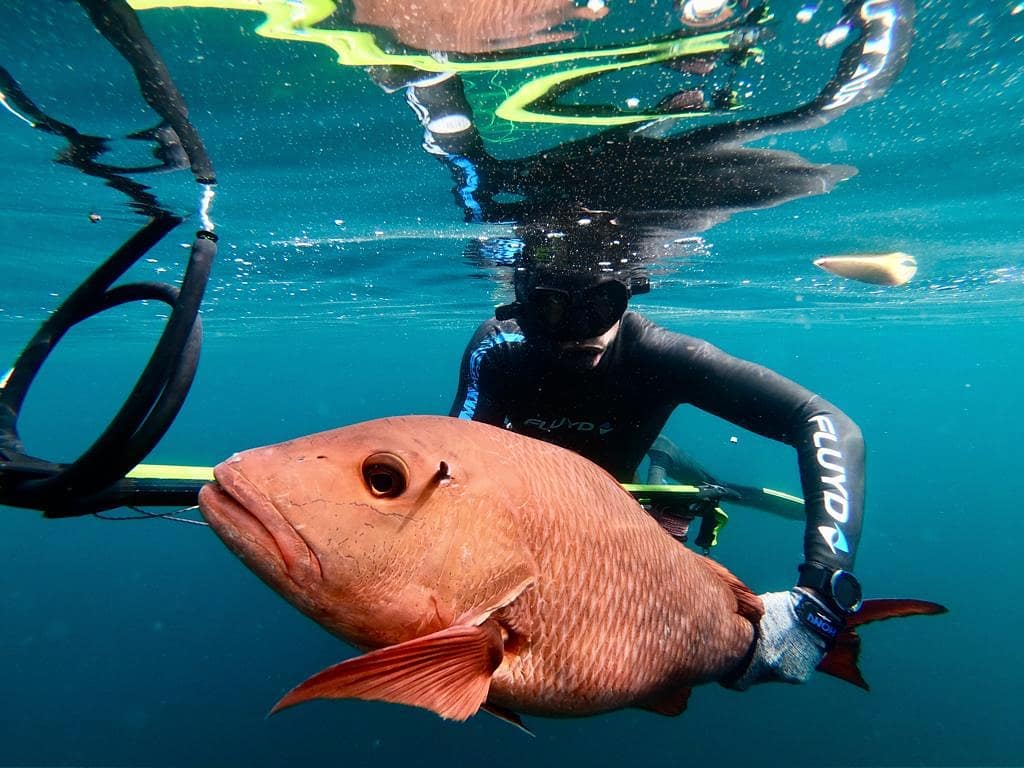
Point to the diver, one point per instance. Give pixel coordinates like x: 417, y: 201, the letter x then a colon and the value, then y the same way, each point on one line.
x: 566, y: 363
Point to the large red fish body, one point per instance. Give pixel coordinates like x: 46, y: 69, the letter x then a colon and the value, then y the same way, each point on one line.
x: 479, y: 568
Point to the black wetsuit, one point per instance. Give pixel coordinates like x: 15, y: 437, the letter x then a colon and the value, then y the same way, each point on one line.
x: 613, y: 414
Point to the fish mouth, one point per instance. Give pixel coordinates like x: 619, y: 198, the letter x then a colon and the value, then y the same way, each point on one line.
x: 249, y: 523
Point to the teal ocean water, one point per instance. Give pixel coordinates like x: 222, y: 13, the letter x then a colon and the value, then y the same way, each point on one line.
x: 345, y: 288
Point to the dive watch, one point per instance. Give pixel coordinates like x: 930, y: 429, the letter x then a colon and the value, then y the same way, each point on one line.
x: 838, y: 588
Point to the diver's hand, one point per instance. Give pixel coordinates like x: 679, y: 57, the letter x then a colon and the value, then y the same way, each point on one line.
x: 787, y: 650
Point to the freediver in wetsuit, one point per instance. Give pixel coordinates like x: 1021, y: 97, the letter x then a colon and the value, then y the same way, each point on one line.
x: 567, y: 364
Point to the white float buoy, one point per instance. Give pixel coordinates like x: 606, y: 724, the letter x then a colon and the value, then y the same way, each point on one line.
x: 894, y: 268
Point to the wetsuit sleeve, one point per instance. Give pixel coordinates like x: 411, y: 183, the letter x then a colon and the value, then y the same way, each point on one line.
x: 829, y: 445
x: 477, y: 396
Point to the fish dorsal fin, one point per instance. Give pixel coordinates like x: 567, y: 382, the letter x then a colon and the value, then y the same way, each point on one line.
x: 669, y: 704
x: 748, y: 605
x: 448, y: 672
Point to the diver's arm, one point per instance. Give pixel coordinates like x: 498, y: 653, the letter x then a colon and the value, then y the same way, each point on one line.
x: 476, y: 397
x: 800, y: 625
x: 829, y: 445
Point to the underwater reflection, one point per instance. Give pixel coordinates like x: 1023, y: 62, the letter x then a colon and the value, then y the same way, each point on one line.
x: 654, y: 182
x: 475, y: 26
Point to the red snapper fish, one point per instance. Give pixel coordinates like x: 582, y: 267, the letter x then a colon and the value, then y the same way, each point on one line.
x: 478, y: 568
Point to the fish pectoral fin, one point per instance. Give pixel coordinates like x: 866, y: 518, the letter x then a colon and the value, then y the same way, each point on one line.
x: 669, y: 704
x: 448, y: 672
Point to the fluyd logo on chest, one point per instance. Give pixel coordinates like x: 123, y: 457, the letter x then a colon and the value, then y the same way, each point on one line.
x: 564, y: 422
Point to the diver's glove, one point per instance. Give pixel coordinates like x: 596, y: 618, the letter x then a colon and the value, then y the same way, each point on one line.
x: 795, y: 633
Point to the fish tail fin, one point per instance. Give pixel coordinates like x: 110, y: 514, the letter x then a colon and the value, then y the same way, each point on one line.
x: 841, y: 660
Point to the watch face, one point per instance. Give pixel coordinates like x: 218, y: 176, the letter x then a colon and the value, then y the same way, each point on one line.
x: 846, y: 591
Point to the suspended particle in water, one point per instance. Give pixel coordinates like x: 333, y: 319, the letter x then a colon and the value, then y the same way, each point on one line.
x: 806, y: 13
x: 834, y: 36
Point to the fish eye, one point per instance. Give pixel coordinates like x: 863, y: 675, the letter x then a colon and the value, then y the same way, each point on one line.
x: 385, y: 475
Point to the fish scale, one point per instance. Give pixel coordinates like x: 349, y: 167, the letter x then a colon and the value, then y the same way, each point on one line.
x: 602, y: 559
x: 632, y: 630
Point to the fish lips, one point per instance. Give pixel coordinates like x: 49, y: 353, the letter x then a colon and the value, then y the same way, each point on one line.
x: 252, y: 527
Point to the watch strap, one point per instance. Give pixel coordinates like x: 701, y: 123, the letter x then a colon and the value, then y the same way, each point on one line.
x: 817, y: 577
x: 817, y: 617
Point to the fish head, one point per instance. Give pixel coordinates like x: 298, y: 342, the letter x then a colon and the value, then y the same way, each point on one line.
x: 372, y: 530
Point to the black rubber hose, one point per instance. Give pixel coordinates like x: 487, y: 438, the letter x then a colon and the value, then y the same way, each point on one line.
x: 79, y: 305
x: 157, y: 397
